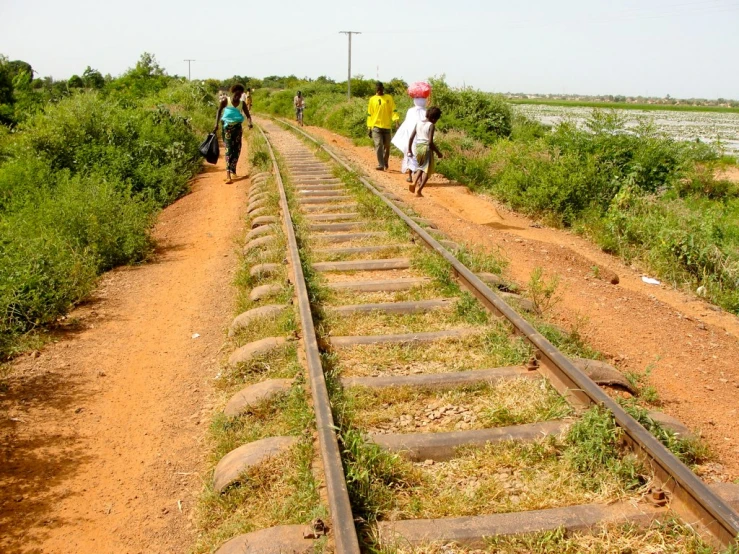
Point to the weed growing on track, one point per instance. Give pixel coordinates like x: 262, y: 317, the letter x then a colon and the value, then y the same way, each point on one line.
x: 499, y: 478
x: 594, y: 439
x: 569, y: 343
x: 492, y: 347
x: 543, y: 292
x: 282, y: 363
x: 284, y: 415
x: 644, y: 390
x: 690, y: 450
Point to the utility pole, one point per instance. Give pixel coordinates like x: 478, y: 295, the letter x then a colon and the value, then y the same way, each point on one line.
x: 349, y: 77
x: 188, y: 68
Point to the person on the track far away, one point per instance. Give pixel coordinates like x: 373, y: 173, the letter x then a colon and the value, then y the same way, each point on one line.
x: 425, y: 148
x: 381, y: 114
x: 299, y: 103
x: 419, y: 92
x: 232, y: 112
x: 246, y: 99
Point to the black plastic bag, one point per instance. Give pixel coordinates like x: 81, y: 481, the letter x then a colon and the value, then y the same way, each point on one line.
x: 209, y: 148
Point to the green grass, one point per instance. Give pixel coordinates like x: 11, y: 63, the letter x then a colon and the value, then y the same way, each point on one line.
x: 281, y: 491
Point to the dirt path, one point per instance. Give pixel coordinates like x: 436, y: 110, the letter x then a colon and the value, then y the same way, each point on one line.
x: 690, y: 345
x: 101, y: 434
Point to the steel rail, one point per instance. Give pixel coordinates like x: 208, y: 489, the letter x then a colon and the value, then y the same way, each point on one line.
x: 691, y: 498
x: 342, y: 518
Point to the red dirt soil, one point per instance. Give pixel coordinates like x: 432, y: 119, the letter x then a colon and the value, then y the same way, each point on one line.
x: 102, y: 434
x: 690, y: 345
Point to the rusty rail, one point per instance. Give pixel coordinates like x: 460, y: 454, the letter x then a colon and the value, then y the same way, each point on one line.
x: 344, y: 531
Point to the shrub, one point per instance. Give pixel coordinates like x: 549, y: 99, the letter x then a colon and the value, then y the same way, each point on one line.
x: 79, y: 186
x: 482, y: 115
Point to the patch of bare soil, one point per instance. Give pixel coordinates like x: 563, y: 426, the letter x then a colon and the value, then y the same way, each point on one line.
x: 729, y: 173
x: 689, y: 345
x: 101, y: 434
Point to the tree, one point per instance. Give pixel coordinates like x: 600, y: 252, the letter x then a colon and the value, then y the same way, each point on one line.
x: 148, y: 77
x: 147, y: 66
x: 93, y: 78
x: 396, y: 87
x: 75, y: 81
x: 16, y: 67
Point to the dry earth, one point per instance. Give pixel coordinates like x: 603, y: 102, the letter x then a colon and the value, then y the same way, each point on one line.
x: 101, y: 433
x: 690, y: 345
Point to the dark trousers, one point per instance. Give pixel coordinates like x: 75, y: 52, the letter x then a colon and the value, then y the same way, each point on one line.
x: 382, y: 146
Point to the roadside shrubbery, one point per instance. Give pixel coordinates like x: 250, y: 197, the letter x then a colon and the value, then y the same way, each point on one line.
x: 639, y: 194
x: 80, y: 182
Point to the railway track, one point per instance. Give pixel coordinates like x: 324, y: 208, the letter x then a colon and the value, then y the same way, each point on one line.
x: 440, y: 411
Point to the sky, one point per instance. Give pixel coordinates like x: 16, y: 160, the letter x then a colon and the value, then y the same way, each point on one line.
x: 682, y: 48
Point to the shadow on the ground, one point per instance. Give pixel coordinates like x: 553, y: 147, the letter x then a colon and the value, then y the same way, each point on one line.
x: 35, y: 462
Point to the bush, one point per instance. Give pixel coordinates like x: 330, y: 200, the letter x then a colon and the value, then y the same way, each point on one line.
x: 484, y: 116
x: 79, y: 186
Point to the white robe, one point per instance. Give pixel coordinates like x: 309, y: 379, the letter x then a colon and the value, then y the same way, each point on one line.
x: 415, y: 114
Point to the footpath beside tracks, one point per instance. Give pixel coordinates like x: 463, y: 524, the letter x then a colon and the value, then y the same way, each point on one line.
x: 357, y: 248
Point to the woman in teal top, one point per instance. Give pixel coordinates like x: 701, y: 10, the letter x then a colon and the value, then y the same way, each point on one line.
x: 232, y: 111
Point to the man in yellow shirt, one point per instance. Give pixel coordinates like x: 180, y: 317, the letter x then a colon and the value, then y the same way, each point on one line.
x: 381, y: 115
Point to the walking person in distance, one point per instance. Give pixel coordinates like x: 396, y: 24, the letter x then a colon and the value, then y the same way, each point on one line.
x: 246, y: 99
x: 299, y: 103
x: 231, y: 113
x: 423, y: 134
x: 420, y: 93
x: 381, y: 114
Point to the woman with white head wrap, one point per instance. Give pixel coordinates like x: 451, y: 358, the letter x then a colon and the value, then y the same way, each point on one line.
x: 419, y: 92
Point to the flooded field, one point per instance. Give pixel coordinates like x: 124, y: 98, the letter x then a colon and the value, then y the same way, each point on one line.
x: 711, y: 127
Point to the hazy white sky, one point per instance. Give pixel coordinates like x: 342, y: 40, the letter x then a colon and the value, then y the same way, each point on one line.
x: 683, y: 48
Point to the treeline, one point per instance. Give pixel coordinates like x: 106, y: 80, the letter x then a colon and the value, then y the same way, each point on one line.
x: 636, y: 192
x: 621, y: 99
x: 82, y: 174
